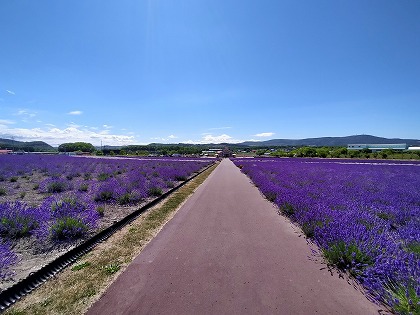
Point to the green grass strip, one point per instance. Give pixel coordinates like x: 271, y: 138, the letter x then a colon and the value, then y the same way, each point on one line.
x: 75, y: 289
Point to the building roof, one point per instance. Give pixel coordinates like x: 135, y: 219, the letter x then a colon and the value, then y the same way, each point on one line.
x: 397, y: 146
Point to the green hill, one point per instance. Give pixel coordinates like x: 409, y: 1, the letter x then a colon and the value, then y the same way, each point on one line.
x: 332, y: 141
x: 32, y: 146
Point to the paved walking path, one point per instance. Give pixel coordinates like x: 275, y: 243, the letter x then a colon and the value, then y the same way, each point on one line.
x: 227, y: 251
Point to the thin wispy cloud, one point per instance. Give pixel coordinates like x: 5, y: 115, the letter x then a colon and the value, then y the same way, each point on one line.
x: 220, y: 128
x: 25, y: 113
x: 264, y: 134
x: 6, y: 122
x: 10, y: 92
x: 163, y: 139
x: 75, y: 112
x: 73, y: 125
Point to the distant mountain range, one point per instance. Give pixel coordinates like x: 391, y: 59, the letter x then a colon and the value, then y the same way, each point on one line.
x: 32, y: 146
x: 332, y: 141
x: 316, y: 142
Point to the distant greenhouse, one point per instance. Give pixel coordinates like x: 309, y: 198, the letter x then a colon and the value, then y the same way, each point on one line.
x: 378, y: 147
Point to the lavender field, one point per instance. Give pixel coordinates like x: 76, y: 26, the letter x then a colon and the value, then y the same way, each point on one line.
x: 364, y: 216
x: 48, y: 203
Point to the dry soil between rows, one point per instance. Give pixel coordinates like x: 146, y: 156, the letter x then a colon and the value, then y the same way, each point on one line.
x: 227, y: 251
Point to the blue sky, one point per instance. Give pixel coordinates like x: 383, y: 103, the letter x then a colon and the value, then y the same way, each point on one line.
x: 133, y: 71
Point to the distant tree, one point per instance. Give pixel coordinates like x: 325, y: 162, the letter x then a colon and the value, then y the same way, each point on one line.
x: 354, y: 154
x: 76, y: 146
x: 279, y: 153
x: 306, y: 152
x: 322, y: 152
x: 142, y: 153
x: 388, y: 151
x: 383, y: 155
x: 339, y: 152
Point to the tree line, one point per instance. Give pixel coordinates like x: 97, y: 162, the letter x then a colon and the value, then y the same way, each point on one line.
x: 196, y: 149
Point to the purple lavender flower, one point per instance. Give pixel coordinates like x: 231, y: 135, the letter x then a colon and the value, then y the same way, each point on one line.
x: 7, y: 259
x: 364, y: 216
x: 94, y: 181
x: 18, y: 220
x: 70, y: 217
x: 55, y: 185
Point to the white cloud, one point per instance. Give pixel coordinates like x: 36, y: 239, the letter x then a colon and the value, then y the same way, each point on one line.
x: 264, y: 134
x: 75, y: 112
x: 220, y: 128
x: 72, y: 133
x: 218, y: 139
x: 11, y: 92
x: 209, y: 138
x: 25, y: 113
x: 107, y: 126
x: 162, y: 139
x: 6, y: 122
x: 73, y: 125
x: 224, y: 138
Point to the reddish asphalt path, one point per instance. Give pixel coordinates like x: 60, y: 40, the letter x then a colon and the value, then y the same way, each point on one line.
x: 227, y: 251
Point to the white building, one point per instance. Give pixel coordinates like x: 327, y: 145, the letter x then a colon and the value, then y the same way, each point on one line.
x: 378, y: 147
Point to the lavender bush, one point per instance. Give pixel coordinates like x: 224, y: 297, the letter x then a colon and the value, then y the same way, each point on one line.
x: 70, y: 217
x: 18, y: 220
x: 68, y: 195
x: 55, y: 185
x: 364, y: 216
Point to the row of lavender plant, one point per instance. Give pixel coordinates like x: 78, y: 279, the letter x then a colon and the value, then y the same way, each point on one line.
x: 365, y: 218
x: 73, y: 193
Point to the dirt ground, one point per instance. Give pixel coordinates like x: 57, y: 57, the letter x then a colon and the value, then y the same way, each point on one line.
x: 33, y: 254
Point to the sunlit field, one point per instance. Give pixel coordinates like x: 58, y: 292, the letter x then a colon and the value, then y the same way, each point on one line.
x: 48, y: 203
x: 364, y: 216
